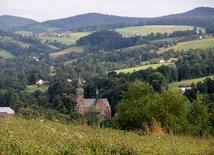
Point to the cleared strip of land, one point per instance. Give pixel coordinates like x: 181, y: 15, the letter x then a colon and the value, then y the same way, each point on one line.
x: 144, y: 30
x: 130, y: 70
x: 188, y: 82
x: 6, y: 54
x: 66, y: 51
x: 203, y: 44
x: 68, y: 39
x: 33, y: 88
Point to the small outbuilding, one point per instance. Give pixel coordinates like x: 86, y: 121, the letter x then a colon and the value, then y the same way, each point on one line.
x: 6, y: 112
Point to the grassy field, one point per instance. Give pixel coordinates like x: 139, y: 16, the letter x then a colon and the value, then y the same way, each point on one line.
x: 66, y: 51
x: 188, y: 82
x: 130, y: 70
x: 144, y: 30
x: 33, y: 88
x: 39, y: 137
x: 71, y: 39
x: 203, y: 44
x: 6, y: 54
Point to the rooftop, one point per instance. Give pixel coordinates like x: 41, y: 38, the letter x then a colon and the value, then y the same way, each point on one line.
x: 6, y: 110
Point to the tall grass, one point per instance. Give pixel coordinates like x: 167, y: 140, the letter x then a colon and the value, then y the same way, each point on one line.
x: 38, y: 137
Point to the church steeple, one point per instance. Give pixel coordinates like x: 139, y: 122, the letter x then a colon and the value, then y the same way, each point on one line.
x: 96, y: 93
x: 79, y: 84
x: 79, y: 92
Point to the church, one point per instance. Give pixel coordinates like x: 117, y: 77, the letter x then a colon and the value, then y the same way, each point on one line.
x: 83, y: 104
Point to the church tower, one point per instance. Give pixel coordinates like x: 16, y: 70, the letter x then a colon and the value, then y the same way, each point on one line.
x: 79, y: 92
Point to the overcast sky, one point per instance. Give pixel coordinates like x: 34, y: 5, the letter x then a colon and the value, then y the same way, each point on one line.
x: 42, y: 10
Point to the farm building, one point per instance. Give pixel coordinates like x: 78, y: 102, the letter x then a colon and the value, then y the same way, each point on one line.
x: 6, y: 112
x: 183, y: 88
x: 83, y: 104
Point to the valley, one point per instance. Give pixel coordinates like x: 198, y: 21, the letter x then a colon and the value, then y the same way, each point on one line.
x: 104, y: 84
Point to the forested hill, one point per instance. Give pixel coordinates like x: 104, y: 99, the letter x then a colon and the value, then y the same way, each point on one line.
x: 7, y: 22
x: 200, y: 11
x: 202, y: 17
x: 90, y: 19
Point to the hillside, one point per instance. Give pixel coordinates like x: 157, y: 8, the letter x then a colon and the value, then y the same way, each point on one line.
x: 39, y: 137
x: 89, y: 19
x: 7, y: 22
x: 200, y: 11
x: 202, y: 17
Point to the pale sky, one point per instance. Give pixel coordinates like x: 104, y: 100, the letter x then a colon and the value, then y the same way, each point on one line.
x: 42, y: 10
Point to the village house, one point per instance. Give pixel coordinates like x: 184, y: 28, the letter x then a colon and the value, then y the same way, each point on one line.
x: 42, y: 82
x: 83, y: 104
x: 169, y: 60
x: 161, y: 61
x: 39, y: 82
x: 183, y: 88
x: 6, y: 112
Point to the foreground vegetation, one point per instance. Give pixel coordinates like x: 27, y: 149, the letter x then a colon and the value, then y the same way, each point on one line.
x: 19, y: 136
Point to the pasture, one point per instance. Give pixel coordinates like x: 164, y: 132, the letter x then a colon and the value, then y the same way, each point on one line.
x: 144, y: 30
x: 39, y: 137
x: 188, y: 82
x: 69, y: 39
x: 33, y: 88
x: 133, y: 69
x: 6, y: 54
x: 202, y: 43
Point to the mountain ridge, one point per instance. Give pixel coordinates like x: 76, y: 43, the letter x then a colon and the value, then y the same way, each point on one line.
x: 98, y: 21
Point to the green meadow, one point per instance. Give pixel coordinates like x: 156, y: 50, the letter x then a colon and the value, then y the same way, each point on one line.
x: 202, y: 43
x: 33, y: 88
x: 6, y: 54
x: 130, y: 70
x: 144, y: 30
x: 67, y: 39
x: 188, y: 82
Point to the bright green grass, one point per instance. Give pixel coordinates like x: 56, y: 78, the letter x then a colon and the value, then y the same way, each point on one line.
x: 130, y: 70
x: 41, y: 137
x: 6, y: 54
x: 73, y: 37
x: 188, y: 82
x: 144, y: 30
x: 203, y: 44
x: 33, y: 88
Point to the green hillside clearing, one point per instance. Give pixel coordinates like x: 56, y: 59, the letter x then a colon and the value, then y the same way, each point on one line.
x: 130, y: 70
x: 33, y: 88
x: 203, y: 43
x: 188, y: 82
x: 6, y: 54
x: 66, y: 39
x: 39, y: 137
x: 144, y: 30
